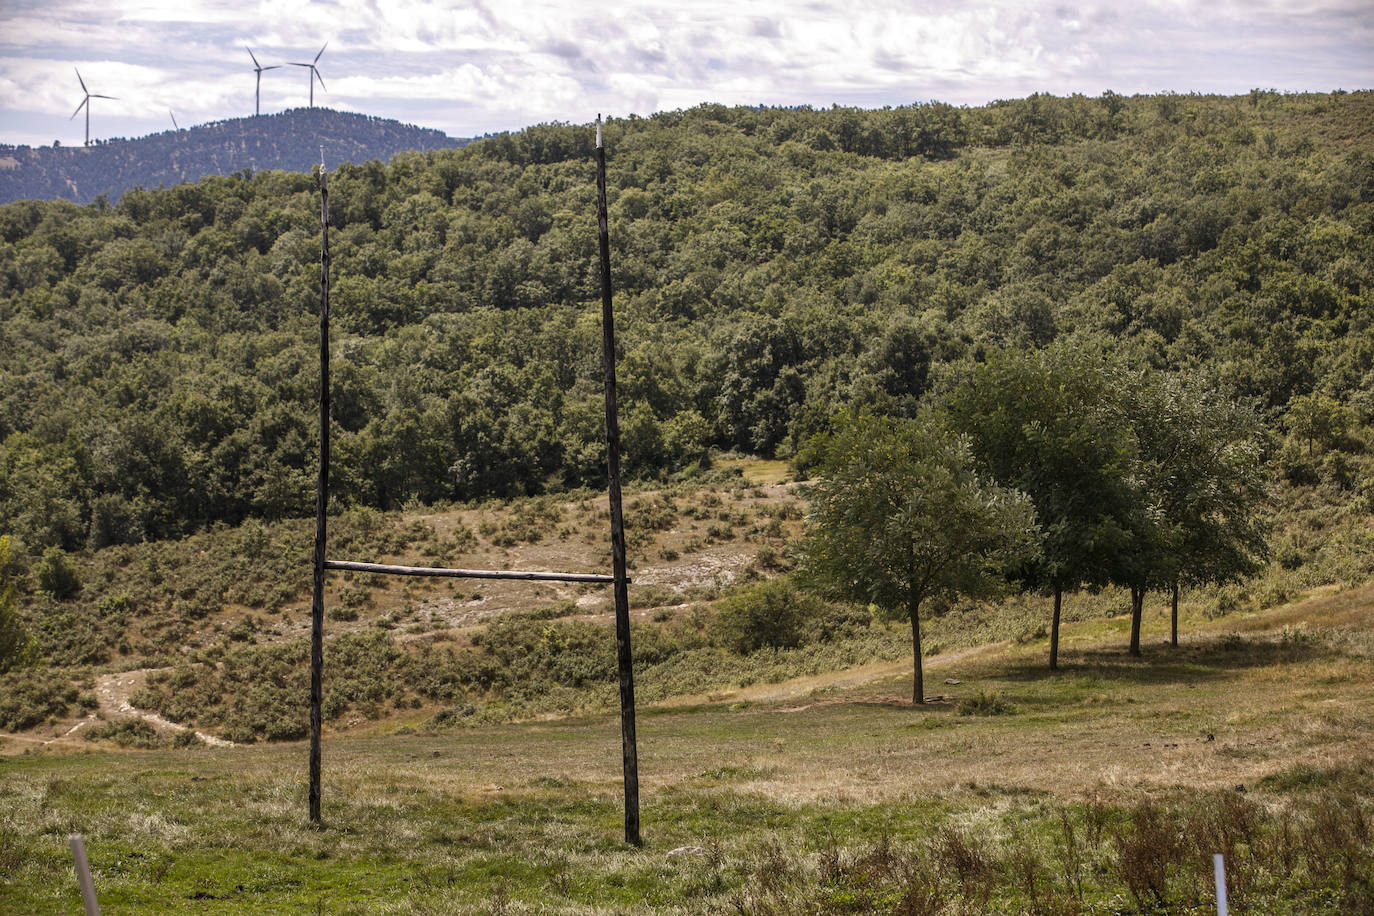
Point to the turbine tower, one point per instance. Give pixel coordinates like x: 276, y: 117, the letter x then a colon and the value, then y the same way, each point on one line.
x: 314, y: 73
x: 86, y: 104
x: 258, y: 69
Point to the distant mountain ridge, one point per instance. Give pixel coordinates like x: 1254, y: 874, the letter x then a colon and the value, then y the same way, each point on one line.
x: 291, y: 140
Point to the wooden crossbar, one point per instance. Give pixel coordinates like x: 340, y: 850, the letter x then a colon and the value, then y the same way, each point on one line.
x: 467, y: 573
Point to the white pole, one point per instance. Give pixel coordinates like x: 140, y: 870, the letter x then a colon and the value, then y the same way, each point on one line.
x: 83, y: 875
x: 1219, y: 865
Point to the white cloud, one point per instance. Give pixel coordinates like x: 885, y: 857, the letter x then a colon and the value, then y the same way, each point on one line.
x: 496, y: 64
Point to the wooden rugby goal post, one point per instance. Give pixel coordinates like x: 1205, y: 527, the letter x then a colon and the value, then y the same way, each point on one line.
x: 618, y: 578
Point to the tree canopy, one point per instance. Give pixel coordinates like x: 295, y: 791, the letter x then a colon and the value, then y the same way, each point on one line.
x: 1199, y: 465
x: 900, y: 518
x: 772, y: 266
x: 1048, y: 423
x: 17, y: 647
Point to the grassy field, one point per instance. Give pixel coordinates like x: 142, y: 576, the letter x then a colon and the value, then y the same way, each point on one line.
x: 1101, y: 789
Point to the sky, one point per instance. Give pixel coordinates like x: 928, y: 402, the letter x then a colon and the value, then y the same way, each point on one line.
x: 469, y: 67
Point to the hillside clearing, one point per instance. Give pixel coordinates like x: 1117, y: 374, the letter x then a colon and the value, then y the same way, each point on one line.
x: 523, y: 817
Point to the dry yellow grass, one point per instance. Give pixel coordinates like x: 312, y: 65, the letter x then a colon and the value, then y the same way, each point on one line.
x: 449, y: 822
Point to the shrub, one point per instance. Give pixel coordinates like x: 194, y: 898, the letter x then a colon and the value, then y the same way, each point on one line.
x: 129, y: 732
x: 67, y: 638
x: 645, y: 596
x: 985, y: 703
x: 1231, y: 598
x: 115, y: 520
x: 768, y: 558
x: 838, y: 621
x: 187, y: 737
x: 1338, y: 471
x: 770, y: 615
x: 1148, y: 852
x: 27, y: 698
x: 1296, y: 467
x: 56, y: 575
x: 355, y: 598
x: 115, y: 608
x: 446, y: 718
x: 539, y: 655
x: 547, y: 611
x: 17, y: 648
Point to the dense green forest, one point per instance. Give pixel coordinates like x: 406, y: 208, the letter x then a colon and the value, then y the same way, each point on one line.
x: 292, y: 140
x: 159, y: 362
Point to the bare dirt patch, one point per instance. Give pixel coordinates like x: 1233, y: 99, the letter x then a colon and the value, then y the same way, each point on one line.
x: 113, y: 692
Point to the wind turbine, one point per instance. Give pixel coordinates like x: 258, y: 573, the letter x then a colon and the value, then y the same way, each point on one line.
x: 258, y: 68
x: 86, y: 104
x: 314, y: 73
x: 175, y: 125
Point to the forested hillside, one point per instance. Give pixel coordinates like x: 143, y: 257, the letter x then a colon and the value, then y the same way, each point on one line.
x: 158, y: 356
x: 291, y: 140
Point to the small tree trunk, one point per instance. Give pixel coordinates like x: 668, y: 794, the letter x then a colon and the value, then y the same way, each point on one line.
x: 1173, y: 619
x: 1137, y: 608
x: 918, y: 687
x: 1054, y: 630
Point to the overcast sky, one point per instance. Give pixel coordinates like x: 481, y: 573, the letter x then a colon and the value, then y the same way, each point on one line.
x: 470, y: 67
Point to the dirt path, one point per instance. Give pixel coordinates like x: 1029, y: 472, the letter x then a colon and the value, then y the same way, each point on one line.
x: 800, y: 687
x: 113, y: 692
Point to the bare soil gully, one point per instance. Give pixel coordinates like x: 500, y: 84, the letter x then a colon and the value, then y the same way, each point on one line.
x: 113, y: 692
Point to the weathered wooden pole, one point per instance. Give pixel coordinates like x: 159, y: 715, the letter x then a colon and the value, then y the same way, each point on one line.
x: 628, y: 745
x: 321, y: 504
x: 446, y: 573
x: 1173, y: 615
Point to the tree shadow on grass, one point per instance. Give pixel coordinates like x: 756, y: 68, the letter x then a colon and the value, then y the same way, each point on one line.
x: 1205, y: 660
x: 934, y: 703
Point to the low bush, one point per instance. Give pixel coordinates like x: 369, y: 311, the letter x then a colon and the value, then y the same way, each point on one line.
x: 547, y: 611
x: 770, y: 615
x: 985, y: 703
x: 31, y: 697
x: 56, y: 575
x: 645, y: 596
x: 130, y: 732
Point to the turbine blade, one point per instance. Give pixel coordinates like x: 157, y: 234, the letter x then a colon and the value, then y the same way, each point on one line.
x: 317, y: 56
x: 318, y: 77
x: 79, y: 107
x: 295, y: 64
x: 252, y: 55
x: 273, y: 67
x: 81, y: 81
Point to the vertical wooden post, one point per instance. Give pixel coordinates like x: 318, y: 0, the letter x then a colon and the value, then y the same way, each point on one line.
x: 628, y: 745
x: 321, y: 504
x: 1173, y: 616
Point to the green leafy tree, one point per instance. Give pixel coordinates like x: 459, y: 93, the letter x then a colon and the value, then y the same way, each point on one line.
x: 1199, y: 461
x: 17, y: 647
x: 771, y: 267
x: 901, y: 518
x: 1045, y: 422
x: 1318, y: 418
x: 56, y: 575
